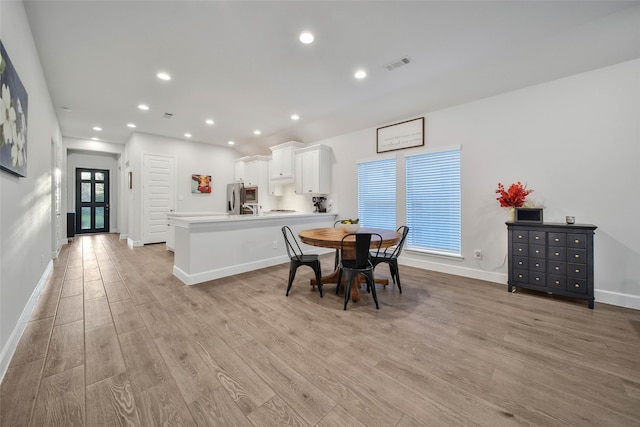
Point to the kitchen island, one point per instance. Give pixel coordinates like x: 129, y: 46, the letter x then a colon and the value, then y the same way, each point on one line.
x: 212, y: 247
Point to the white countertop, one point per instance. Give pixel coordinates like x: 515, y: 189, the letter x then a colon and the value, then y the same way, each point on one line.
x: 200, y: 219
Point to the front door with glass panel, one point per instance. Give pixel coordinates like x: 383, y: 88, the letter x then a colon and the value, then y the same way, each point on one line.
x: 92, y: 201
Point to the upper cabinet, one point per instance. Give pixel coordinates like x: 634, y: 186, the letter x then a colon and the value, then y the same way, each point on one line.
x: 253, y: 171
x: 282, y: 165
x: 312, y: 170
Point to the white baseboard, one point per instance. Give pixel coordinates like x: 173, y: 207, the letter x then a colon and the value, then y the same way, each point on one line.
x: 205, y: 276
x: 124, y: 236
x: 12, y: 343
x: 617, y: 298
x: 472, y: 273
x: 134, y: 243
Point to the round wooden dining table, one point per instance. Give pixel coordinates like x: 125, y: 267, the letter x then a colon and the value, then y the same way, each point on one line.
x: 332, y: 238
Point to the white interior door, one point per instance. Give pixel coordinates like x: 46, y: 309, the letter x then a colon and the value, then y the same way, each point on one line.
x: 157, y: 196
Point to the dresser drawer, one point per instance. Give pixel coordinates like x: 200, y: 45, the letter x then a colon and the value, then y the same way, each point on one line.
x: 537, y: 251
x: 536, y: 264
x: 521, y: 236
x: 536, y: 237
x: 577, y: 241
x: 557, y: 253
x: 520, y: 262
x: 577, y: 255
x: 520, y: 249
x: 537, y: 278
x: 558, y: 268
x: 577, y: 270
x: 557, y: 239
x: 521, y: 276
x: 578, y: 286
x: 557, y: 282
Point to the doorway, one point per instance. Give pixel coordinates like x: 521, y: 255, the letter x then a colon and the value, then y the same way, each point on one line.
x: 92, y: 201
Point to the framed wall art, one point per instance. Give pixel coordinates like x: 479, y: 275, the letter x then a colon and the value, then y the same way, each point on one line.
x: 13, y: 118
x: 400, y: 135
x: 201, y: 184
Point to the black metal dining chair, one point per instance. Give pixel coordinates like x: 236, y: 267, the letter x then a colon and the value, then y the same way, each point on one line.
x: 360, y: 265
x: 390, y: 256
x: 297, y: 259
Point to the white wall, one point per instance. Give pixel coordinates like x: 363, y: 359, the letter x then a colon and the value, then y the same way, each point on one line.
x: 25, y: 209
x: 191, y: 158
x: 575, y: 141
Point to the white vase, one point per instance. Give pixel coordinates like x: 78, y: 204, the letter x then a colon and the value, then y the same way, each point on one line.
x: 512, y: 214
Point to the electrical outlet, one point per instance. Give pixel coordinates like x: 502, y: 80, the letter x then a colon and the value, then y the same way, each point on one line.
x: 275, y: 244
x: 477, y: 254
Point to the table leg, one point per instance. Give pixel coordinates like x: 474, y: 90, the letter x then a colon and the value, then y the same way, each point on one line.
x: 355, y: 290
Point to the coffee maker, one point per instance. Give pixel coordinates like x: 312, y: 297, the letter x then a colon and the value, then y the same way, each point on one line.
x: 320, y: 203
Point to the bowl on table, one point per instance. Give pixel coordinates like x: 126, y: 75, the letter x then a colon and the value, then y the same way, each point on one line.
x: 350, y: 228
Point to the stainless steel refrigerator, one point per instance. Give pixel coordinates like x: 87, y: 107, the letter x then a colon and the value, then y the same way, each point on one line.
x: 235, y: 195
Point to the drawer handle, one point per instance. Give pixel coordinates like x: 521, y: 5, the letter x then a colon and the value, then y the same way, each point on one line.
x: 519, y: 276
x: 519, y: 249
x: 557, y: 253
x: 537, y: 251
x: 577, y: 285
x: 537, y: 278
x: 577, y: 271
x: 557, y: 282
x: 557, y: 267
x: 519, y: 262
x: 537, y: 237
x: 576, y: 241
x: 519, y: 236
x: 556, y: 239
x: 577, y: 256
x: 537, y: 265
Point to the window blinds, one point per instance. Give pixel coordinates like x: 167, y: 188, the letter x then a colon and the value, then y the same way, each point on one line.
x: 377, y: 194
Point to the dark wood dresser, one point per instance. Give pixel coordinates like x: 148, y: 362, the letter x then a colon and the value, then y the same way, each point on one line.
x: 552, y: 258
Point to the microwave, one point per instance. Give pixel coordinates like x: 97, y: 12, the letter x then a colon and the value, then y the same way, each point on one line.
x: 250, y: 195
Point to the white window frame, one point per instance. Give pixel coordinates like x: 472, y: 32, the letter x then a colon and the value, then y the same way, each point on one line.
x: 362, y: 215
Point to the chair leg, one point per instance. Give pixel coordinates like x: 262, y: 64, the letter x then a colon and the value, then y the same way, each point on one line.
x: 339, y: 281
x: 292, y: 275
x: 371, y: 279
x: 337, y: 260
x: 397, y: 274
x: 318, y: 277
x: 348, y: 282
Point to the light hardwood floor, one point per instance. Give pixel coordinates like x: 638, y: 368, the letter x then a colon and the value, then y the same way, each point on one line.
x: 117, y: 340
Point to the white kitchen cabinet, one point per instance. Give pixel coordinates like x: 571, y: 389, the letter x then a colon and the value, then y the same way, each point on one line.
x: 252, y: 170
x: 312, y: 167
x: 282, y: 169
x: 239, y: 169
x: 275, y: 186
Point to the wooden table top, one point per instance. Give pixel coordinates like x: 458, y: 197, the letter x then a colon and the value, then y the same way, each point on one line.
x: 332, y: 237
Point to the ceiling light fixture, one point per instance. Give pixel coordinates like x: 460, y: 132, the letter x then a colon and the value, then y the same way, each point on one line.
x: 131, y: 125
x: 163, y: 76
x: 257, y: 132
x: 306, y: 37
x: 209, y: 122
x: 187, y: 135
x: 231, y: 142
x: 143, y: 107
x: 97, y: 128
x: 360, y: 74
x: 95, y: 139
x: 295, y: 117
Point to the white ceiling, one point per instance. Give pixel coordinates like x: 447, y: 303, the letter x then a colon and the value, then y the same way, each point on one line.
x: 241, y: 63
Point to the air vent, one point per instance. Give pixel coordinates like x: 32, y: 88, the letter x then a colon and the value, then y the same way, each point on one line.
x: 399, y: 63
x: 168, y: 115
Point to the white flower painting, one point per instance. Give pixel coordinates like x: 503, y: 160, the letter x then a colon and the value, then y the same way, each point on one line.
x: 13, y: 118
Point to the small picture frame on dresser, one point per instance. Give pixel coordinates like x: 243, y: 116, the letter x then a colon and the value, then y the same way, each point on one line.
x: 529, y: 215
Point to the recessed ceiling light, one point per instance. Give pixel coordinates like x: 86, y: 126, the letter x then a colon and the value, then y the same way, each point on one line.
x: 143, y: 107
x: 306, y: 37
x: 360, y: 74
x: 97, y: 128
x: 257, y: 132
x: 295, y: 117
x: 95, y: 139
x: 163, y: 76
x: 209, y: 122
x: 188, y: 135
x: 131, y: 125
x: 231, y: 142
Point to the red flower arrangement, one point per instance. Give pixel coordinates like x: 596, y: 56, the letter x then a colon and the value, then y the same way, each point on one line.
x: 514, y: 197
